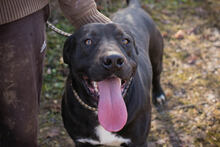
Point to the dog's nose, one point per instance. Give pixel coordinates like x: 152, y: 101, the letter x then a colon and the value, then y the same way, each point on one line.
x: 114, y: 61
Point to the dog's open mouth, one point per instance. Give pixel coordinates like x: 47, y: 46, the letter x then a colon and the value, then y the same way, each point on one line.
x: 112, y: 111
x: 93, y: 88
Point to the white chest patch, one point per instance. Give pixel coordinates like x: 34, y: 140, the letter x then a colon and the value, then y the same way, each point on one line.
x: 105, y: 137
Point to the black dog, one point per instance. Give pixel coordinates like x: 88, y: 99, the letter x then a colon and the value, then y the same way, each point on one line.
x: 112, y: 68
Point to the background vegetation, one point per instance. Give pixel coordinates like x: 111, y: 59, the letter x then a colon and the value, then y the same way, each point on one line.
x: 191, y: 76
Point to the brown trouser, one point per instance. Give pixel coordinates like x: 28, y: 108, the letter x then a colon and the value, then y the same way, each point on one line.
x: 22, y: 45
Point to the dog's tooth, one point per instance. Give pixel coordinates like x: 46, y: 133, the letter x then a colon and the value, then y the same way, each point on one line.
x: 95, y: 86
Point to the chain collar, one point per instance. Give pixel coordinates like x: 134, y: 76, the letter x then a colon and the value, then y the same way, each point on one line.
x: 81, y: 102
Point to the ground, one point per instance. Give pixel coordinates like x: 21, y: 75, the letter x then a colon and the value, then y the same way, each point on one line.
x: 191, y: 75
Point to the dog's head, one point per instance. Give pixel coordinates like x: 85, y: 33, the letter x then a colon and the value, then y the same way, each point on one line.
x: 103, y: 57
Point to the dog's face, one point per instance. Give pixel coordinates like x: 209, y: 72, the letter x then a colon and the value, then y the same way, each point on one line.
x: 103, y: 57
x: 100, y: 51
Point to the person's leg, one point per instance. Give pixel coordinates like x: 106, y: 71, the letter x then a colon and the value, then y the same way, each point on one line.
x: 21, y: 62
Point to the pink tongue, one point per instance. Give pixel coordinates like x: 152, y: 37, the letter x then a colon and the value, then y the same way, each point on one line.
x: 112, y: 112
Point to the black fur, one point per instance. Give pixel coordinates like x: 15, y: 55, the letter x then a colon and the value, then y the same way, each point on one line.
x: 143, y: 62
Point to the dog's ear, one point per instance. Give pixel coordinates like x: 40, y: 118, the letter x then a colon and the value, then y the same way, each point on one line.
x: 69, y: 46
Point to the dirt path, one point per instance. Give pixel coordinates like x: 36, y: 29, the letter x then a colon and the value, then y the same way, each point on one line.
x: 191, y: 78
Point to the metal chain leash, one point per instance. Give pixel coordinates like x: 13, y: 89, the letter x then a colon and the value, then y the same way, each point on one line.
x: 55, y: 29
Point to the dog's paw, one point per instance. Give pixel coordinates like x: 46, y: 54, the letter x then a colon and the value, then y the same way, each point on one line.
x: 159, y: 99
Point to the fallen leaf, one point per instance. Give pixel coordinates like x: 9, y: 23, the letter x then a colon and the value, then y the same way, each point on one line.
x: 180, y: 34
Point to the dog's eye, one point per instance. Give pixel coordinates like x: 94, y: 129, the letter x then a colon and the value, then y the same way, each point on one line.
x: 88, y: 42
x: 125, y: 41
